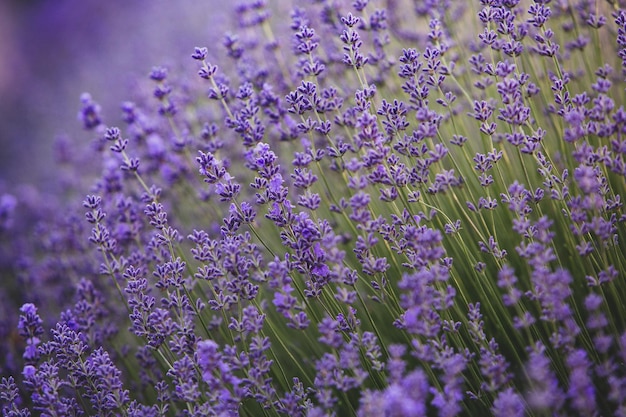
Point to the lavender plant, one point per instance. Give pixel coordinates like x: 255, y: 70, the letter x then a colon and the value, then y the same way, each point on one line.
x: 349, y: 208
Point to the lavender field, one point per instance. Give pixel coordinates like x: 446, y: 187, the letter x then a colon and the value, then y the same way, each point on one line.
x: 327, y: 208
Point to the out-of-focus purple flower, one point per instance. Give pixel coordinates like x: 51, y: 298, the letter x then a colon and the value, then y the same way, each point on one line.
x: 8, y: 203
x: 508, y: 403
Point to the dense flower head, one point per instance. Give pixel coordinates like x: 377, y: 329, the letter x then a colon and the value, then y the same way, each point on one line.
x: 342, y: 208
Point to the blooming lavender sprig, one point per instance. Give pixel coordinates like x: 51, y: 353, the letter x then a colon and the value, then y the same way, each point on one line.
x: 361, y: 209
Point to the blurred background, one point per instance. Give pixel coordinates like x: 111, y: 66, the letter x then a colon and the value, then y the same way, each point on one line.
x: 52, y: 51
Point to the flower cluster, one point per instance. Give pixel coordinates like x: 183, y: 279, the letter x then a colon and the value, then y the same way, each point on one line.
x: 365, y: 209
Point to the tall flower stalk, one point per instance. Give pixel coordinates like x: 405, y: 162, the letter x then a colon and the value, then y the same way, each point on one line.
x: 349, y: 208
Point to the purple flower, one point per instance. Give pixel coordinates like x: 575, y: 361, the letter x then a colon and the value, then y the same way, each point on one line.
x: 10, y: 399
x: 545, y: 393
x: 406, y: 398
x: 508, y: 403
x: 8, y: 203
x: 90, y: 113
x: 108, y: 392
x: 30, y: 324
x: 581, y: 391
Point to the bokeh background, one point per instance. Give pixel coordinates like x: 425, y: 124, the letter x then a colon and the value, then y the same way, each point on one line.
x: 52, y: 51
